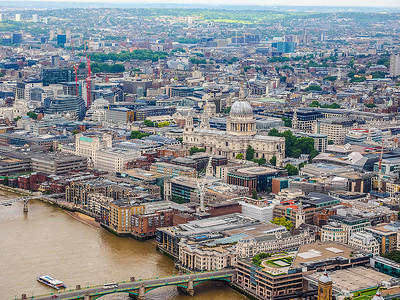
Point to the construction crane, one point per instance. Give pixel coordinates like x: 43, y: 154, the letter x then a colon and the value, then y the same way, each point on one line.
x: 88, y: 84
x: 76, y: 68
x: 380, y: 169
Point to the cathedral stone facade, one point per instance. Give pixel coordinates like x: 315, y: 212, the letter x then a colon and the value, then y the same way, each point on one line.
x: 240, y: 133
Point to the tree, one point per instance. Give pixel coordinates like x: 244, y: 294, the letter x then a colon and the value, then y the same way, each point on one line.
x: 394, y: 255
x: 75, y: 131
x: 315, y: 103
x: 292, y: 170
x: 296, y: 153
x: 163, y: 124
x: 313, y: 154
x: 272, y: 161
x: 254, y: 194
x: 195, y: 150
x: 330, y: 78
x: 17, y: 118
x: 227, y: 110
x: 239, y: 156
x: 138, y: 135
x: 370, y: 105
x: 261, y: 161
x: 313, y: 88
x: 287, y: 122
x: 82, y: 65
x: 330, y: 142
x: 283, y: 222
x: 250, y: 153
x: 6, y: 181
x: 148, y: 123
x: 358, y: 79
x: 31, y: 115
x: 51, y: 149
x: 178, y: 199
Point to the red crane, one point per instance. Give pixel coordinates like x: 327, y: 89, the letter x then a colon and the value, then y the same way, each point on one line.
x: 76, y: 68
x: 88, y: 84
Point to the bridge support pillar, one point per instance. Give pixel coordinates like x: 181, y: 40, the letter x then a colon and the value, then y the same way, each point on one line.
x: 190, y: 288
x: 86, y: 296
x: 141, y: 292
x: 25, y: 206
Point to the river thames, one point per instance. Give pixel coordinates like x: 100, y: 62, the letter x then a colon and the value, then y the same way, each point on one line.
x: 49, y: 241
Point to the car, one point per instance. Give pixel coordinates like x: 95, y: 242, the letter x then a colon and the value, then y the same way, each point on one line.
x: 54, y: 296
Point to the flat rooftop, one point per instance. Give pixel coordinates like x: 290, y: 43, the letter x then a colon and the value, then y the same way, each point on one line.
x: 321, y: 251
x: 354, y: 279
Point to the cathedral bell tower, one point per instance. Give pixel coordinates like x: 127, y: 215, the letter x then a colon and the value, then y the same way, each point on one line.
x: 300, y: 216
x: 325, y: 287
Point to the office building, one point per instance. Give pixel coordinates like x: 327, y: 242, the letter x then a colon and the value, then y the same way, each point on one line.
x: 61, y: 39
x: 16, y: 38
x: 52, y: 164
x: 72, y: 105
x: 54, y: 76
x: 394, y: 65
x: 134, y: 86
x: 17, y: 17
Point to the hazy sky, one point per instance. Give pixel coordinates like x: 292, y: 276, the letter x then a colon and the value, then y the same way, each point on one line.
x: 380, y: 3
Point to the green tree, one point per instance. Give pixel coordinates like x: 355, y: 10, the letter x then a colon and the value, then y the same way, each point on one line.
x: 292, y: 170
x: 287, y: 122
x: 313, y: 153
x: 51, y: 149
x: 254, y: 194
x: 32, y: 115
x: 148, y: 123
x: 272, y: 161
x: 163, y: 124
x: 138, y: 135
x: 330, y: 142
x: 394, y: 255
x: 296, y: 153
x: 370, y: 105
x: 358, y: 79
x: 283, y: 222
x: 6, y: 181
x: 315, y: 103
x: 17, y: 118
x: 194, y: 150
x: 82, y: 65
x: 330, y: 78
x: 313, y: 88
x: 261, y: 161
x: 178, y: 199
x: 239, y: 156
x: 249, y: 153
x: 227, y: 110
x: 75, y: 131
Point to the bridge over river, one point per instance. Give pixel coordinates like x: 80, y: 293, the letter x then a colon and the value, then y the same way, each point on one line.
x: 138, y: 289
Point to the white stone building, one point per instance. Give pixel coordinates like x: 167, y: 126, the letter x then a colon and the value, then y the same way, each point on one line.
x: 365, y: 241
x: 240, y: 133
x: 280, y: 241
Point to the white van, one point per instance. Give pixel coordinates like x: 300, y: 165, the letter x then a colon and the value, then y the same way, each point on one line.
x: 110, y: 285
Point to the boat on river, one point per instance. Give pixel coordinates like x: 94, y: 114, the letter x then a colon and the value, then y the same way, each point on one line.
x: 52, y: 282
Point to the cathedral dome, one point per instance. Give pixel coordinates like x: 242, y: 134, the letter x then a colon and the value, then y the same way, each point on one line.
x: 241, y: 108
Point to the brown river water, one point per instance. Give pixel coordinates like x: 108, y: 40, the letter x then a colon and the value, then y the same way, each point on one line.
x: 74, y: 249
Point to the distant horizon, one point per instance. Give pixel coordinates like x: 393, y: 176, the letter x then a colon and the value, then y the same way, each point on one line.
x: 217, y: 4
